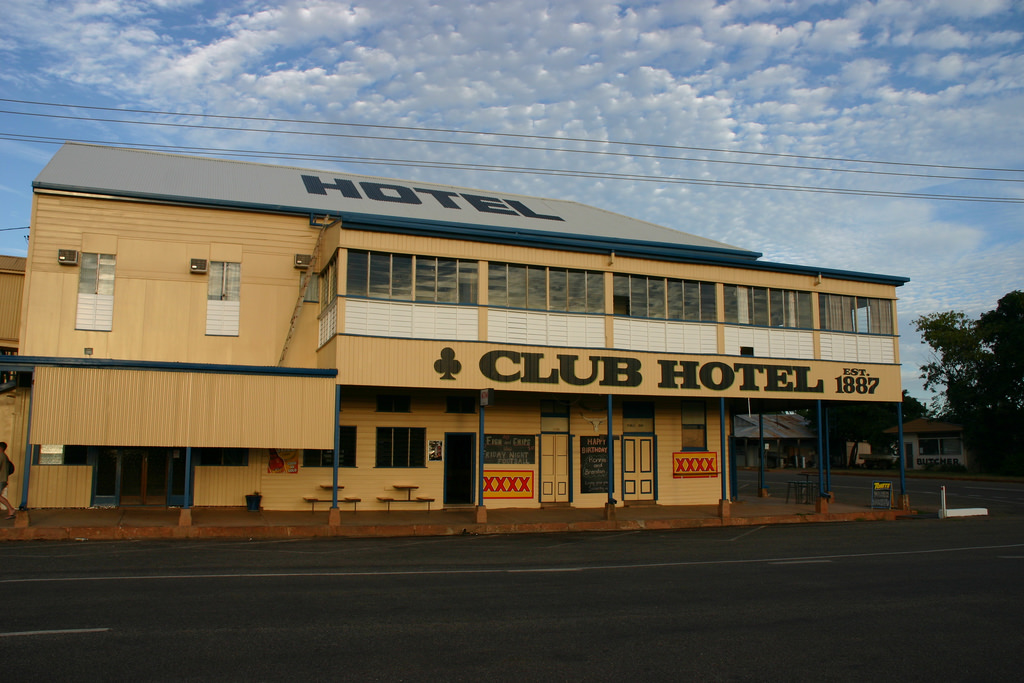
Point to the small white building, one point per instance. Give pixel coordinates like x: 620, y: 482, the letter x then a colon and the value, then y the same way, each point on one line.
x: 929, y: 444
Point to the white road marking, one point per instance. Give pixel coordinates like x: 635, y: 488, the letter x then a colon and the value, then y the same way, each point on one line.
x: 544, y: 570
x: 54, y: 632
x: 457, y: 572
x: 991, y: 488
x: 746, y: 533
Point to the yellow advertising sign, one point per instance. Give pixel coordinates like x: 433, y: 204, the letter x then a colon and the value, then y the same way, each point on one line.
x: 508, y: 483
x: 694, y: 465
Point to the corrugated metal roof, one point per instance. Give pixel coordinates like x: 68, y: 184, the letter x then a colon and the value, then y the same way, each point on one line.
x: 924, y: 425
x: 784, y: 426
x: 412, y: 207
x: 16, y: 263
x: 172, y: 177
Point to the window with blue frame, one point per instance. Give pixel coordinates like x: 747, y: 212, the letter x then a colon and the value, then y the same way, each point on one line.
x: 401, y: 447
x: 316, y: 457
x: 224, y: 457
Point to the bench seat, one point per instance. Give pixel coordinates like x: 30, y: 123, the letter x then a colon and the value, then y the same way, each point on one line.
x: 313, y: 500
x: 388, y: 500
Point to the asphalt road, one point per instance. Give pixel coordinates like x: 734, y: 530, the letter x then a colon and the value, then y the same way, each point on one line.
x: 998, y: 497
x: 919, y: 599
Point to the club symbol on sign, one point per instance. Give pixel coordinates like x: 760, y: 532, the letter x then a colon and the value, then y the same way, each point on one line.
x: 446, y: 365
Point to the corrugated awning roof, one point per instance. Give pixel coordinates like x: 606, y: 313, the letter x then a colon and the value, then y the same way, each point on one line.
x: 924, y: 425
x: 784, y: 426
x: 15, y: 263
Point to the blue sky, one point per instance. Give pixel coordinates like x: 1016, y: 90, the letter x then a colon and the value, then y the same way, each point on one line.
x: 729, y: 96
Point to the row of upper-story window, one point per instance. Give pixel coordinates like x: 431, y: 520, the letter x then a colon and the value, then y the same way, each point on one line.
x: 404, y: 277
x: 96, y: 294
x: 96, y: 276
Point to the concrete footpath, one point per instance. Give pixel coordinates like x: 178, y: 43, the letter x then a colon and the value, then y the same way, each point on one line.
x: 173, y: 523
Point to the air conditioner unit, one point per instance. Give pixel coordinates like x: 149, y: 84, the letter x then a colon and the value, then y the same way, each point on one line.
x: 198, y: 265
x: 303, y: 261
x: 67, y: 257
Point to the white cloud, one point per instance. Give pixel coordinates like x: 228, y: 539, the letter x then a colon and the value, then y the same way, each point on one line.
x: 835, y: 35
x: 863, y: 74
x: 972, y: 8
x: 1001, y: 38
x: 924, y: 81
x: 945, y: 38
x: 173, y: 4
x: 947, y: 68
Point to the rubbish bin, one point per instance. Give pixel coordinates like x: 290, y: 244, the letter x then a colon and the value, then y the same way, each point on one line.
x: 252, y: 502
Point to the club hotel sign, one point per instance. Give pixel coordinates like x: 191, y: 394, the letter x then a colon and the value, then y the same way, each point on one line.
x: 662, y: 375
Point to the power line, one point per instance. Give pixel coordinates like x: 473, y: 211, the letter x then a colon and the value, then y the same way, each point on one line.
x: 526, y: 170
x: 515, y: 147
x: 520, y: 136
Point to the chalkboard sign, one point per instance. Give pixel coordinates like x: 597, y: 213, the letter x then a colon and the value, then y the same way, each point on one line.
x: 881, y: 494
x: 510, y: 449
x: 594, y: 464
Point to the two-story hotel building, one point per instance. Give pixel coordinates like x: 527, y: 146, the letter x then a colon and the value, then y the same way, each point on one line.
x: 197, y: 330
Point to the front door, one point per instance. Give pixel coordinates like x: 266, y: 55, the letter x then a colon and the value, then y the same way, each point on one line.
x: 458, y: 468
x: 554, y: 468
x: 176, y: 476
x: 143, y: 476
x: 131, y: 476
x: 637, y: 468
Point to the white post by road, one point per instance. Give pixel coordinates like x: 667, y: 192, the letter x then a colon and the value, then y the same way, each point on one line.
x: 957, y: 512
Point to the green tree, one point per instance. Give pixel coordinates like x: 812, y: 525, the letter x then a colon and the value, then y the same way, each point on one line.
x: 979, y: 367
x: 856, y: 422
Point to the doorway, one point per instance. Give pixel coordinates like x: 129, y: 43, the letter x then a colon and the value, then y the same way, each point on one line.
x: 131, y: 476
x: 459, y: 468
x: 554, y: 468
x: 638, y: 468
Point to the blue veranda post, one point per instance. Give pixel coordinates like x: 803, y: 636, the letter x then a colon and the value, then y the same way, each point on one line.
x: 820, y: 454
x: 486, y: 399
x: 760, y: 451
x: 611, y: 456
x: 480, y: 460
x: 721, y: 453
x: 904, y: 500
x: 337, y: 446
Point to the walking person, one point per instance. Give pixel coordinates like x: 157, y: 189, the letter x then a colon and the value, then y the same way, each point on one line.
x: 6, y: 470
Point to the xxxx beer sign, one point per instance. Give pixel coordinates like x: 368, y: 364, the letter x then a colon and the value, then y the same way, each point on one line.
x: 693, y: 465
x: 508, y: 484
